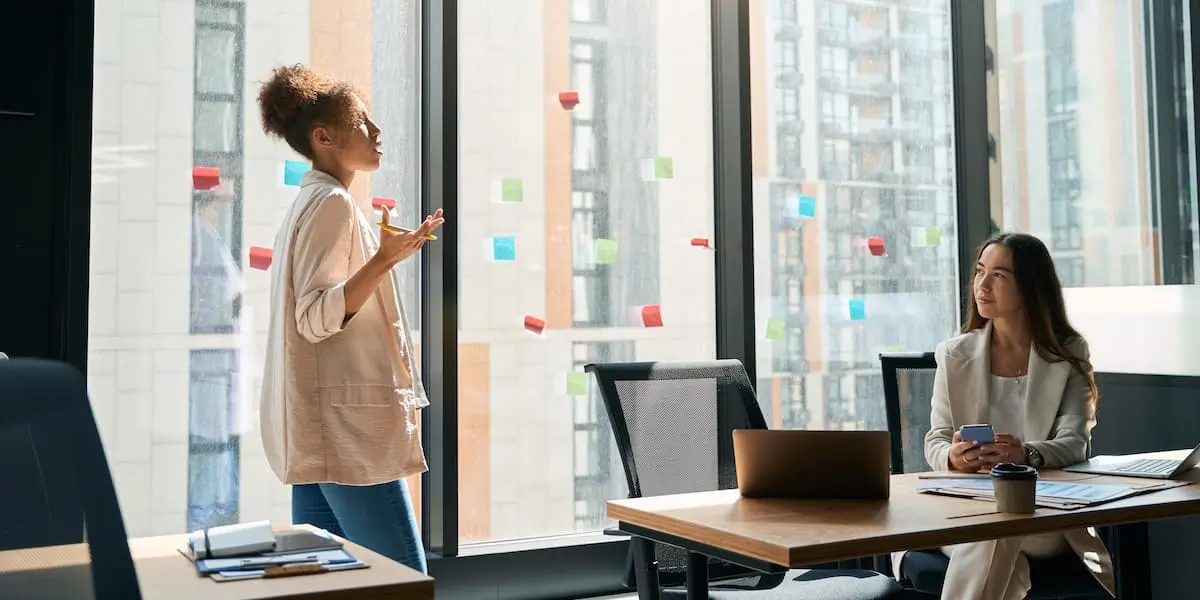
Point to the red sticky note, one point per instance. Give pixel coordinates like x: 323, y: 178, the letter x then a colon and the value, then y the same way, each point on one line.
x: 652, y: 315
x: 568, y: 100
x: 379, y: 202
x: 205, y: 178
x: 534, y: 325
x: 701, y: 243
x: 875, y: 245
x: 260, y: 258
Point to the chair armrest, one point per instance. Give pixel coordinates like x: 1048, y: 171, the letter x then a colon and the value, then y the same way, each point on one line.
x: 614, y: 531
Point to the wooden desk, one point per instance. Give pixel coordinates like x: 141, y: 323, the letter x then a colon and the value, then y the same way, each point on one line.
x: 772, y: 535
x: 165, y: 574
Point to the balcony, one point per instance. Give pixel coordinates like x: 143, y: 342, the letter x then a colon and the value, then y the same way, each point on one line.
x: 861, y: 40
x: 788, y: 31
x: 790, y: 79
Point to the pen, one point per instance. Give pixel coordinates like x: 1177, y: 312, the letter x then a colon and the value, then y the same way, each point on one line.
x: 296, y: 569
x: 394, y: 229
x: 954, y: 476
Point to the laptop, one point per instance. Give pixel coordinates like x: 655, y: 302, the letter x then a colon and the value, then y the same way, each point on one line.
x: 1150, y: 468
x: 791, y: 463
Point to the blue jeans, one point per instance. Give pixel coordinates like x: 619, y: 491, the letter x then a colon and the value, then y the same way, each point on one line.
x: 380, y: 517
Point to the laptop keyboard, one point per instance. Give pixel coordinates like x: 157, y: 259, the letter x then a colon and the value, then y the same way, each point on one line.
x: 1151, y: 466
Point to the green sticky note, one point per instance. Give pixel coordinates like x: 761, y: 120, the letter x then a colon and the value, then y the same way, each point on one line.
x: 664, y: 168
x: 894, y: 349
x: 933, y: 236
x: 606, y: 251
x: 511, y: 190
x: 577, y: 383
x: 775, y: 329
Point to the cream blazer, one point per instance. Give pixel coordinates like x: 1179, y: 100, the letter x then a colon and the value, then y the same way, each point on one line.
x: 340, y: 400
x: 1058, y: 420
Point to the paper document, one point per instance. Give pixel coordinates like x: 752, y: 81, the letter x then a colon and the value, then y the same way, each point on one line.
x: 1051, y: 492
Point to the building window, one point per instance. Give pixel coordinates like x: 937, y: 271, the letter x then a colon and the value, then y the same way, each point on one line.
x: 590, y: 208
x: 214, y: 393
x: 598, y: 474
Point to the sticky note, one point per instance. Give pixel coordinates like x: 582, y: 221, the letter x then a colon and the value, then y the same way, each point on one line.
x: 806, y: 206
x: 293, y: 172
x: 775, y: 329
x: 577, y: 383
x: 378, y: 202
x: 606, y: 251
x: 260, y: 258
x: 875, y: 245
x: 652, y: 316
x: 205, y: 178
x: 534, y: 325
x: 664, y: 168
x: 933, y: 236
x: 893, y: 349
x: 702, y: 243
x: 501, y: 248
x: 512, y: 190
x: 568, y: 100
x: 858, y: 309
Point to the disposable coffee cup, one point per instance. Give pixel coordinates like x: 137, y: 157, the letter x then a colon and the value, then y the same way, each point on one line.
x: 1016, y: 488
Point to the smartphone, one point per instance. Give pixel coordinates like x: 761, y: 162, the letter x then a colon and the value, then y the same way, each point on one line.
x: 980, y: 434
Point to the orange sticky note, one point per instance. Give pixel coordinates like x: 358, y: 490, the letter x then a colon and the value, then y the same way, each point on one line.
x: 379, y: 202
x: 534, y: 325
x: 260, y: 258
x: 652, y: 316
x: 875, y: 245
x: 568, y: 100
x: 701, y: 243
x: 205, y: 178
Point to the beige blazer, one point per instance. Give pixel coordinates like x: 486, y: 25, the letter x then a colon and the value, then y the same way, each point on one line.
x: 1058, y: 419
x: 340, y: 400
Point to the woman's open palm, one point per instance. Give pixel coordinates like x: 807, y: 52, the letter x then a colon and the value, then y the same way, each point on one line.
x: 395, y: 247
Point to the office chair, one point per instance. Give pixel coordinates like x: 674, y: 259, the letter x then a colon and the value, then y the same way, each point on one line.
x: 57, y: 491
x: 673, y: 424
x: 907, y: 394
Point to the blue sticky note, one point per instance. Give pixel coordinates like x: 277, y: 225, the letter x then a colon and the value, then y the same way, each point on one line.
x: 293, y: 172
x: 504, y: 248
x: 807, y: 206
x: 858, y: 309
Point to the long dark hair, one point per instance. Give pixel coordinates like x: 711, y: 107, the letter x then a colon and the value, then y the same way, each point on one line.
x: 1045, y: 309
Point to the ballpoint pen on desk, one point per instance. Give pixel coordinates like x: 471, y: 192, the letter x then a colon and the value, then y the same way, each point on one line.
x: 394, y: 229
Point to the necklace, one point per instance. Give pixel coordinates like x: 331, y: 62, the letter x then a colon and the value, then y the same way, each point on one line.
x: 1007, y: 366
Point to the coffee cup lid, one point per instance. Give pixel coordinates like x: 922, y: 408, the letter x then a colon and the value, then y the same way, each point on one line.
x: 1013, y: 471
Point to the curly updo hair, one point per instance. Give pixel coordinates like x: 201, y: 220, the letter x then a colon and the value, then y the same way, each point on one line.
x: 296, y: 98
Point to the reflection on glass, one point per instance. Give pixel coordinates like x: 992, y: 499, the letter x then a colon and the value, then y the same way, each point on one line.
x: 614, y: 189
x: 176, y: 322
x: 1074, y: 173
x: 854, y: 201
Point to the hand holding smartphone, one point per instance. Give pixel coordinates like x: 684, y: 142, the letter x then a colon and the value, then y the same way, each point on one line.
x: 980, y: 434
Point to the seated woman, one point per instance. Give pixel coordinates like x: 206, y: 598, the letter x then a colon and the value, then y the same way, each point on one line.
x: 1021, y: 367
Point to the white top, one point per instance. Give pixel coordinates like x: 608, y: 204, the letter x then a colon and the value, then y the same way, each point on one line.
x: 1006, y: 405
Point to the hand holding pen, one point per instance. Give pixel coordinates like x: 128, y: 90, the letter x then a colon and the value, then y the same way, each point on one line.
x: 398, y: 243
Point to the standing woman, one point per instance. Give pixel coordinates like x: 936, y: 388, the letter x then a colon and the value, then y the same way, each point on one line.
x: 1020, y: 366
x: 341, y: 390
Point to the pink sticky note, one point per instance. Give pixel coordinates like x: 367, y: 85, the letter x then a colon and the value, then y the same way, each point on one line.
x: 205, y: 178
x: 379, y: 202
x: 260, y: 258
x: 652, y: 316
x: 534, y: 325
x: 701, y: 243
x: 875, y: 245
x: 568, y: 100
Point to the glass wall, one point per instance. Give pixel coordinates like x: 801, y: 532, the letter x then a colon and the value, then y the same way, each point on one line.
x: 854, y: 200
x: 185, y: 185
x: 585, y: 163
x: 1082, y: 155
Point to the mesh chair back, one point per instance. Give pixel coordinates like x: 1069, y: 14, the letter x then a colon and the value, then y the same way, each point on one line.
x: 673, y: 424
x: 61, y: 533
x: 907, y: 392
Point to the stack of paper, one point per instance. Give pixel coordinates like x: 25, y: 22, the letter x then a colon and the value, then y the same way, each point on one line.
x: 1050, y: 494
x: 277, y: 565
